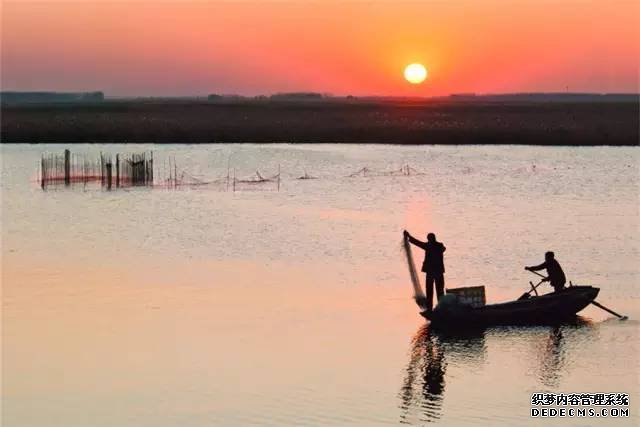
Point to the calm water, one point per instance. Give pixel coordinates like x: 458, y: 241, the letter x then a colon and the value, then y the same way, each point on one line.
x: 200, y: 307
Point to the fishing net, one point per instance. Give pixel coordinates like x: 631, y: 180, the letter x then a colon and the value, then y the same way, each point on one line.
x: 365, y: 172
x: 418, y: 294
x: 179, y: 178
x: 188, y: 179
x: 121, y: 170
x: 257, y: 181
x: 307, y: 176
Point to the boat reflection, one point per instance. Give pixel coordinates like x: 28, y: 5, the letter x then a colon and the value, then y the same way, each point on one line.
x: 558, y: 342
x: 431, y: 352
x: 544, y: 352
x: 552, y: 360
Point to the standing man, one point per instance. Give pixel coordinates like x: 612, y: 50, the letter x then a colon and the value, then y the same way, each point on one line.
x: 433, y: 265
x: 555, y: 275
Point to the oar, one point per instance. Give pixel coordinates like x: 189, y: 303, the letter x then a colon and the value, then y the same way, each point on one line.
x: 596, y: 303
x: 619, y: 316
x: 528, y: 293
x: 536, y: 273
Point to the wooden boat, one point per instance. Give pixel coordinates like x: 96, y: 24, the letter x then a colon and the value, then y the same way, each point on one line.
x: 543, y: 309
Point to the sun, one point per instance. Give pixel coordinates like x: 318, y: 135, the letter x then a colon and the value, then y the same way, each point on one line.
x: 415, y: 73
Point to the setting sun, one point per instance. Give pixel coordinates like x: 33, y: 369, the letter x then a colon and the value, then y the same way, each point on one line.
x: 415, y: 73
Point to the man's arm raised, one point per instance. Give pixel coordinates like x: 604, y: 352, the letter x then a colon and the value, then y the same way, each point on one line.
x: 415, y: 241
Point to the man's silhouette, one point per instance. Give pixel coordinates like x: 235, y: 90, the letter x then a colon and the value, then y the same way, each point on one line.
x: 433, y: 265
x: 555, y: 275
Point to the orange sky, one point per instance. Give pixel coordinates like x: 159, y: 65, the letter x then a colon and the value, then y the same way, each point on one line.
x: 340, y: 47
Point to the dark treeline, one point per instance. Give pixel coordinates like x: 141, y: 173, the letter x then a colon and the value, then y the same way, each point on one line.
x: 435, y: 121
x: 9, y: 97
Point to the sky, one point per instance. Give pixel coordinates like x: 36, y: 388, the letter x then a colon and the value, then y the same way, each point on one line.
x: 167, y: 48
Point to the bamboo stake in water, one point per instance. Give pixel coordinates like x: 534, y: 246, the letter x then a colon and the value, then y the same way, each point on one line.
x: 108, y: 165
x: 67, y: 167
x: 151, y: 169
x: 42, y: 172
x: 228, y: 165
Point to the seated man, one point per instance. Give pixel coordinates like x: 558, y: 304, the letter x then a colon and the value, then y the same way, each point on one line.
x: 555, y: 275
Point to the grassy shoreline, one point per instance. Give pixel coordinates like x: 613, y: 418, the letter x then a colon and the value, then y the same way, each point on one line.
x: 389, y: 122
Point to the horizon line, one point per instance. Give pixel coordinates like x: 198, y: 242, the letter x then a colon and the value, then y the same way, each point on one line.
x: 318, y: 95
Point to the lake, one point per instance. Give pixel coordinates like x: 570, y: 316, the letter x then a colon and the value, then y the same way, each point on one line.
x: 200, y: 305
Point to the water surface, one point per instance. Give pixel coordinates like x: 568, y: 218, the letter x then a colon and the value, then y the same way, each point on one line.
x: 199, y: 306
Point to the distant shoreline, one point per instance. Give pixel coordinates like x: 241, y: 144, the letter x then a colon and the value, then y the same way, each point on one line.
x: 447, y: 121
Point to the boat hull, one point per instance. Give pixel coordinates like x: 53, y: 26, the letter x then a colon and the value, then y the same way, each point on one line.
x: 544, y: 309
